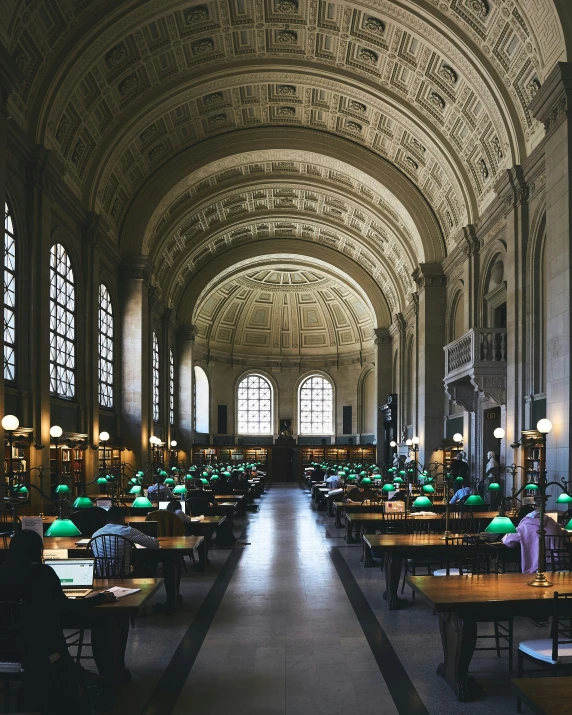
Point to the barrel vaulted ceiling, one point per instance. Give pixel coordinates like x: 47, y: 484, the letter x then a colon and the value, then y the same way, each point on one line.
x: 146, y: 103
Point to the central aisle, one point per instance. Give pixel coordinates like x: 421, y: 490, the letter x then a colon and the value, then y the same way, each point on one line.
x: 285, y: 638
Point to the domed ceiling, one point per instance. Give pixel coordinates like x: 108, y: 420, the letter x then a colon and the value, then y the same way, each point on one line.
x: 286, y: 311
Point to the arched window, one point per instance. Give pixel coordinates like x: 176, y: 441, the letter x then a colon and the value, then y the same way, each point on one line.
x: 155, y: 376
x: 201, y: 401
x: 316, y: 406
x: 254, y: 405
x: 62, y: 324
x: 171, y: 388
x: 9, y: 295
x: 105, y: 348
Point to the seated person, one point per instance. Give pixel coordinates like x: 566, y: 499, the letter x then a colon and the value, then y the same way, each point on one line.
x: 198, y: 492
x: 175, y: 507
x: 52, y: 681
x: 333, y: 480
x: 163, y: 491
x: 400, y: 495
x: 116, y: 525
x: 527, y: 537
x: 360, y: 494
x: 460, y: 495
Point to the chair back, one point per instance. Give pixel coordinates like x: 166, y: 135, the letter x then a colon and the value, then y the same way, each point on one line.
x: 88, y: 521
x: 561, y: 622
x: 11, y: 642
x: 149, y: 528
x: 393, y: 522
x: 468, y: 559
x: 168, y: 524
x: 113, y: 554
x: 198, y: 507
x: 460, y: 522
x: 558, y: 556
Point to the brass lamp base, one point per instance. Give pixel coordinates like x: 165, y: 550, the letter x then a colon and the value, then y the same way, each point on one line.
x: 540, y: 581
x: 446, y: 535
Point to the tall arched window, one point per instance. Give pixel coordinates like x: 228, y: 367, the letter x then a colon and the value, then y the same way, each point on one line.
x: 62, y: 324
x: 155, y: 376
x: 316, y: 406
x: 201, y: 400
x: 105, y: 348
x: 254, y: 405
x: 171, y: 388
x: 9, y: 295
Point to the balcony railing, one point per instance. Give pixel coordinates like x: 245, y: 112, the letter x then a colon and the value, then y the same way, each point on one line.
x: 478, y: 345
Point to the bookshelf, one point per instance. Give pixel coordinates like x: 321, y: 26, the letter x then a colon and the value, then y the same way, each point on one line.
x: 533, y: 457
x: 112, y: 458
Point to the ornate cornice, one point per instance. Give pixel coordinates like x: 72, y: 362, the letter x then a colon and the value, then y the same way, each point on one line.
x: 429, y: 275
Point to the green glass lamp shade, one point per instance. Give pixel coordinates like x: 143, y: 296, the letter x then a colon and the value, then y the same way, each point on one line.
x: 494, y: 487
x: 366, y: 480
x: 564, y: 498
x: 140, y: 474
x: 428, y: 489
x: 429, y: 480
x: 568, y: 526
x: 226, y: 474
x: 215, y: 478
x: 422, y: 502
x: 363, y: 474
x: 63, y: 489
x: 204, y: 481
x: 170, y: 481
x: 206, y: 474
x: 135, y: 489
x: 531, y: 487
x: 189, y: 476
x: 174, y: 469
x: 388, y: 488
x: 391, y: 470
x: 133, y: 480
x: 346, y: 470
x: 180, y: 489
x: 102, y: 481
x: 162, y: 473
x: 475, y: 500
x: 459, y: 480
x: 141, y: 503
x: 402, y: 472
x: 501, y: 525
x: 63, y: 527
x: 20, y: 489
x: 83, y: 502
x: 397, y: 480
x: 351, y: 477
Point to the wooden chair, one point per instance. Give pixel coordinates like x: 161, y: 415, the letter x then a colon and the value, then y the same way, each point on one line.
x: 558, y: 555
x: 554, y: 653
x: 474, y: 562
x: 114, y: 556
x: 168, y: 524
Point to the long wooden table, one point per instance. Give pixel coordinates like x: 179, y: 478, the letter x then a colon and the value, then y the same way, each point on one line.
x: 464, y: 601
x: 545, y: 696
x: 340, y: 508
x: 395, y: 548
x: 363, y: 520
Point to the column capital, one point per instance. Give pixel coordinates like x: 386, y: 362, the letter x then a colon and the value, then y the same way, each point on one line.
x: 382, y: 336
x: 188, y: 332
x: 554, y: 97
x: 512, y: 188
x: 472, y: 243
x: 399, y: 324
x: 136, y: 268
x: 429, y: 275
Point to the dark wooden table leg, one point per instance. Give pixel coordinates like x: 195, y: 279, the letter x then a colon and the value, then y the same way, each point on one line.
x: 349, y: 537
x: 459, y: 637
x: 367, y: 557
x: 338, y: 518
x: 393, y: 565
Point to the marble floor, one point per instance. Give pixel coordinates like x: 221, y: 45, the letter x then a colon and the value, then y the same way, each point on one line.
x: 269, y: 628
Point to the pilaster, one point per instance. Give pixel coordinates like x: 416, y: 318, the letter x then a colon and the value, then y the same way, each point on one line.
x: 383, y: 343
x: 186, y: 377
x: 553, y: 107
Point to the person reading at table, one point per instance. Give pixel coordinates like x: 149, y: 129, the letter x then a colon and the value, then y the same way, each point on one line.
x: 175, y: 507
x: 360, y: 494
x: 159, y: 488
x: 333, y: 480
x: 526, y: 537
x: 461, y: 495
x: 51, y: 681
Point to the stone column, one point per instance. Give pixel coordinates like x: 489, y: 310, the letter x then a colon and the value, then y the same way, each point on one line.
x: 383, y: 370
x: 397, y: 331
x: 185, y: 393
x: 431, y: 284
x: 135, y: 374
x: 553, y: 106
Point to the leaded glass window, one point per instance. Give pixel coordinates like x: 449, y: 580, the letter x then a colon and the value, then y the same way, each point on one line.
x: 105, y: 348
x: 171, y: 388
x: 316, y: 406
x: 9, y: 296
x: 155, y: 378
x: 254, y: 405
x: 62, y: 324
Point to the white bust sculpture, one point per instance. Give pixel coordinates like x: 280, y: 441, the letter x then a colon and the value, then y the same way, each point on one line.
x: 493, y: 468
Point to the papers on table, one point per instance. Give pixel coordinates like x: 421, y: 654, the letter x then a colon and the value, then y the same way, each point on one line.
x: 33, y: 523
x: 197, y: 518
x: 82, y: 542
x: 55, y: 554
x: 119, y: 592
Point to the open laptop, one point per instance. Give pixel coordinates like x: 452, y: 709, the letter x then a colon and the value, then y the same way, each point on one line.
x: 76, y: 576
x: 165, y: 504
